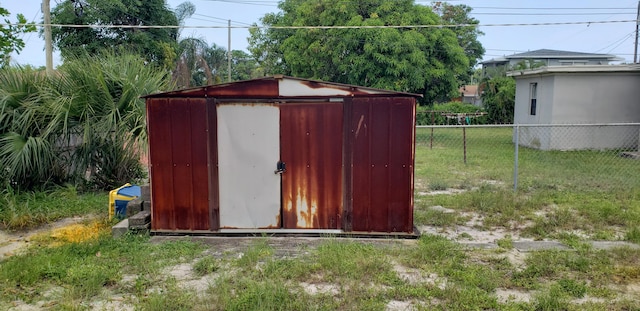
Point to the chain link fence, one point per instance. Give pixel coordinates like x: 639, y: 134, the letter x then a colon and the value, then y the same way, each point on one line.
x: 568, y: 156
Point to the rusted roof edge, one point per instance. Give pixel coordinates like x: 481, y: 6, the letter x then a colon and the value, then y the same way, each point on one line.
x: 191, y: 92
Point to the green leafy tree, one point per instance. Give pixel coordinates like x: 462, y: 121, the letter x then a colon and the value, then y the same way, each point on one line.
x: 243, y: 66
x: 498, y: 98
x: 420, y: 60
x: 156, y: 45
x: 10, y: 40
x: 467, y: 35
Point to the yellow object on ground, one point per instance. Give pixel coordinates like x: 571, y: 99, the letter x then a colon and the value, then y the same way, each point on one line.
x: 115, y: 195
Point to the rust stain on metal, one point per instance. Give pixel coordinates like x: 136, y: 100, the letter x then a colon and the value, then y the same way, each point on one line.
x: 352, y: 89
x: 360, y: 125
x: 311, y: 147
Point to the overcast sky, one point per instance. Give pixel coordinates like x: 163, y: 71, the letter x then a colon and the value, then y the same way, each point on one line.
x: 609, y: 26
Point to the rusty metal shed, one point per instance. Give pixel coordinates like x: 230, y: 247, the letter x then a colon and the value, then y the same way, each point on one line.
x: 281, y: 155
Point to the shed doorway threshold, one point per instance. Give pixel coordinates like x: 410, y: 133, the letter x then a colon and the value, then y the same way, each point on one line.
x: 329, y: 233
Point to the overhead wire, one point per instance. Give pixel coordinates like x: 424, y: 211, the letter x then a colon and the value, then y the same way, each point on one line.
x: 328, y: 27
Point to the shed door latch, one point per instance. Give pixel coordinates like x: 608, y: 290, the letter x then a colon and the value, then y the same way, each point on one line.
x: 281, y: 167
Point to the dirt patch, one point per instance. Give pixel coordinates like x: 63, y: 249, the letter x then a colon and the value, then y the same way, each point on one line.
x: 472, y: 231
x: 320, y: 288
x: 12, y: 243
x: 416, y: 276
x: 396, y: 305
x: 511, y: 295
x: 186, y: 278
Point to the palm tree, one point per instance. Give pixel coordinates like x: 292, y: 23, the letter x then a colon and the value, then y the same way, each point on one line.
x: 85, y: 123
x: 198, y: 64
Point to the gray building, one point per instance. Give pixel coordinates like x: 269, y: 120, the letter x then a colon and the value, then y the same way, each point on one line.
x: 578, y: 95
x: 548, y: 58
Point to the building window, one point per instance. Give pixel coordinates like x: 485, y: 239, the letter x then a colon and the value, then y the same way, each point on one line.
x: 533, y: 96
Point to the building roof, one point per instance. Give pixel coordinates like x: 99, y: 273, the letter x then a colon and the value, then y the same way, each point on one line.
x: 280, y: 86
x: 469, y: 90
x: 553, y: 54
x: 576, y: 69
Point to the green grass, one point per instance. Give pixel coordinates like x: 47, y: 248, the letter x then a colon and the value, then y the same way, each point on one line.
x: 30, y: 209
x: 358, y: 275
x: 596, y: 192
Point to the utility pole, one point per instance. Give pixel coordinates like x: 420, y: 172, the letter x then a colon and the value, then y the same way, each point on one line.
x: 48, y: 48
x: 229, y: 53
x: 635, y: 48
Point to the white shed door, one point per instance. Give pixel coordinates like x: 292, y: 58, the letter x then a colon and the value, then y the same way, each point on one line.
x: 248, y: 153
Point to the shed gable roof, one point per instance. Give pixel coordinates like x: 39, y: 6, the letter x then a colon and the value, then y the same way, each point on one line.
x: 280, y: 86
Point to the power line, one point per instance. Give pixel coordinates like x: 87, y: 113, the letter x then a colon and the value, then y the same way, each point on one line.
x: 220, y: 19
x: 323, y: 27
x: 550, y: 14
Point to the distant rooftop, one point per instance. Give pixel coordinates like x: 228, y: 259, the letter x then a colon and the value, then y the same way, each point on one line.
x: 553, y: 54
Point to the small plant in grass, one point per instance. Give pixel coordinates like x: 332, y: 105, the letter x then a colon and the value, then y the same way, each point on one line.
x: 633, y: 235
x: 573, y: 240
x: 551, y: 300
x: 171, y: 297
x: 506, y: 242
x: 435, y: 218
x: 604, y: 235
x: 573, y: 288
x: 257, y: 252
x: 205, y: 266
x: 438, y: 185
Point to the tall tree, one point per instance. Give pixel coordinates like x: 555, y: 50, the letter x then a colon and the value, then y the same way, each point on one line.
x: 421, y: 60
x: 467, y: 35
x: 156, y: 45
x: 243, y: 66
x: 10, y: 40
x: 199, y: 64
x: 498, y: 98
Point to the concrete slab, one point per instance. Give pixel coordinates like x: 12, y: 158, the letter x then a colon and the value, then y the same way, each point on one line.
x: 607, y: 245
x: 140, y: 219
x: 120, y: 228
x: 528, y: 246
x: 479, y: 245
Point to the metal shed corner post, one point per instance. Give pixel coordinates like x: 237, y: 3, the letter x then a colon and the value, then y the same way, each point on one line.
x: 212, y: 165
x: 382, y: 155
x: 178, y: 161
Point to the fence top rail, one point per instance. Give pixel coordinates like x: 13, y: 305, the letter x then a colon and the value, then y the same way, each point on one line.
x: 527, y: 125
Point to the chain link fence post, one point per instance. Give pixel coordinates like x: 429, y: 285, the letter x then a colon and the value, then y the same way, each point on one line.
x: 515, y: 157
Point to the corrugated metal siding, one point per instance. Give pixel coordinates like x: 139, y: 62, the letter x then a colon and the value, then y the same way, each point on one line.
x: 311, y: 147
x: 179, y: 163
x: 382, y: 158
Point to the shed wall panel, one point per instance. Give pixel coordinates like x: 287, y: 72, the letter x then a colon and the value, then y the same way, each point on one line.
x: 161, y: 162
x: 311, y: 147
x: 199, y: 166
x: 178, y: 157
x: 182, y: 174
x: 401, y: 165
x: 361, y: 163
x: 380, y: 185
x: 382, y: 156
